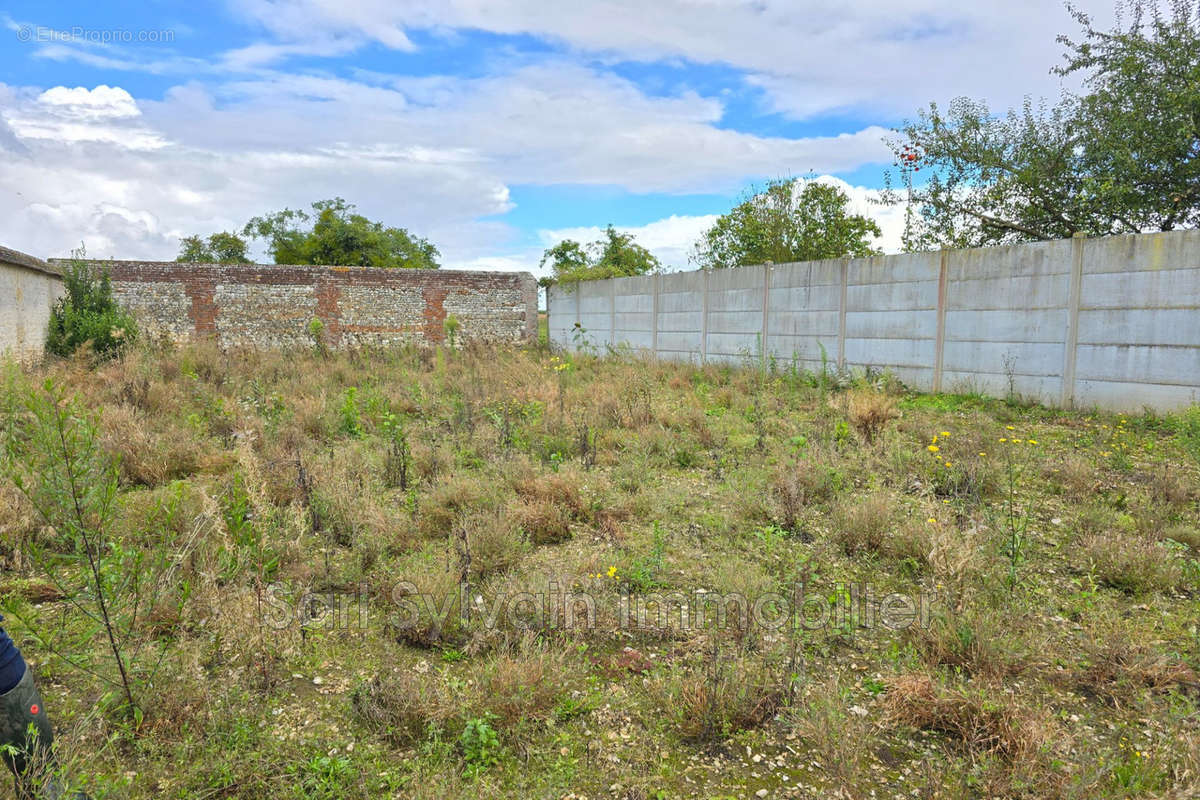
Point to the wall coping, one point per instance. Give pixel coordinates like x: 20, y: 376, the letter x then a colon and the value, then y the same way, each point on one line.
x: 315, y: 269
x: 19, y: 259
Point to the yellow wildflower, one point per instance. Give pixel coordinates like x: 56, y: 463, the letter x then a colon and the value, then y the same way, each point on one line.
x: 933, y: 448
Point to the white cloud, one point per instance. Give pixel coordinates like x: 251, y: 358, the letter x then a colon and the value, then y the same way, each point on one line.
x: 438, y: 153
x: 434, y: 155
x: 549, y: 123
x: 811, y: 57
x: 104, y: 114
x: 866, y: 202
x: 671, y: 239
x: 103, y: 102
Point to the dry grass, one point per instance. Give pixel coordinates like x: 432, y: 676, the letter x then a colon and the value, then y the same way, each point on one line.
x: 796, y: 487
x: 448, y: 500
x: 1131, y: 563
x: 715, y: 459
x: 721, y: 698
x: 1117, y: 665
x: 515, y: 688
x: 1075, y: 475
x: 864, y: 525
x: 870, y: 412
x: 1172, y: 490
x: 980, y: 721
x: 838, y: 736
x: 971, y: 642
x: 1185, y: 534
x: 149, y: 458
x: 524, y: 684
x: 406, y: 706
x: 495, y: 542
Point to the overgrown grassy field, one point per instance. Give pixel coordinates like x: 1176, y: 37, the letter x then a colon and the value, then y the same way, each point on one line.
x: 926, y: 596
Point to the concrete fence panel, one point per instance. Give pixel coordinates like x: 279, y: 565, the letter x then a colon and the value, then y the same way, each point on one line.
x: 1112, y: 322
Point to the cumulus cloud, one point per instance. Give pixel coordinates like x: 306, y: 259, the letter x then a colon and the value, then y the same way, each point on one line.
x: 103, y: 102
x: 104, y: 114
x: 130, y: 176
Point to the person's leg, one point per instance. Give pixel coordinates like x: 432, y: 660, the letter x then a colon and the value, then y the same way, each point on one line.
x: 26, y: 736
x: 12, y: 666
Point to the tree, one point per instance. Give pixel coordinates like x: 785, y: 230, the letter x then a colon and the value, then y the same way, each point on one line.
x: 1123, y: 157
x: 219, y: 248
x: 1141, y: 117
x: 333, y: 234
x: 87, y: 312
x: 789, y: 220
x: 614, y: 255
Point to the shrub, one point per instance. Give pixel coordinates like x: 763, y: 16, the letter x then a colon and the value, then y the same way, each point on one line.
x: 88, y: 313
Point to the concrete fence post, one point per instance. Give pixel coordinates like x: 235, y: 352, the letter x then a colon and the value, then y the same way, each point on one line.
x: 841, y: 342
x: 704, y: 319
x: 766, y: 305
x: 577, y: 289
x: 654, y: 314
x: 1071, y: 346
x: 612, y: 312
x: 939, y: 347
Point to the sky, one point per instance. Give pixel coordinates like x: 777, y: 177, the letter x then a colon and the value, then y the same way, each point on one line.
x: 494, y: 128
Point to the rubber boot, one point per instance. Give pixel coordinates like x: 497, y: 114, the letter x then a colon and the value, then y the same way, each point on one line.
x: 27, y: 740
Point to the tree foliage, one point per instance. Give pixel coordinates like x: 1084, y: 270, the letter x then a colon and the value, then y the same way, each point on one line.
x: 88, y: 312
x: 788, y: 220
x: 1121, y: 157
x: 1141, y: 115
x: 218, y: 248
x: 333, y: 234
x: 614, y: 255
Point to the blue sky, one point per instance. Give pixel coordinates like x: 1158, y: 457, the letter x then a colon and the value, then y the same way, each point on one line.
x: 493, y: 127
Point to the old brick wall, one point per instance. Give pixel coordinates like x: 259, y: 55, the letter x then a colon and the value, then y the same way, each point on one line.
x: 271, y: 306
